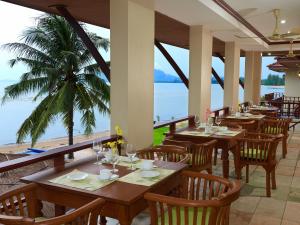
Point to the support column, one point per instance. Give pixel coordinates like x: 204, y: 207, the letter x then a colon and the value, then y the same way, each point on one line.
x: 200, y: 71
x: 252, y: 77
x: 249, y: 74
x: 232, y: 74
x: 257, y: 77
x: 132, y: 68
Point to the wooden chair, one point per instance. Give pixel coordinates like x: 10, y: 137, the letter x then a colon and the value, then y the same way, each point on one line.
x: 203, y: 199
x: 200, y: 154
x: 170, y: 153
x: 257, y: 149
x: 275, y: 127
x: 21, y: 206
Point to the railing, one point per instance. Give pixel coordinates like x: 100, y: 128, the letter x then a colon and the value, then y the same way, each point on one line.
x: 220, y: 112
x: 172, y: 123
x: 57, y: 154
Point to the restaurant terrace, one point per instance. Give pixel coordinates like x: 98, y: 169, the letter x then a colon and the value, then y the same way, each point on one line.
x: 238, y: 165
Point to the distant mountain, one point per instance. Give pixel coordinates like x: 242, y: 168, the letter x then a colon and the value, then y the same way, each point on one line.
x: 162, y: 77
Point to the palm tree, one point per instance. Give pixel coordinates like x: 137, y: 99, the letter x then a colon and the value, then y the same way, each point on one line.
x: 63, y: 75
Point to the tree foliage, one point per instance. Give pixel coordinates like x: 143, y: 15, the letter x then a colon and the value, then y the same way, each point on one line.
x: 63, y: 75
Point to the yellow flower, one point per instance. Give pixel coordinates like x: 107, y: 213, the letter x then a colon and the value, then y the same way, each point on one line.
x: 120, y: 141
x: 118, y: 130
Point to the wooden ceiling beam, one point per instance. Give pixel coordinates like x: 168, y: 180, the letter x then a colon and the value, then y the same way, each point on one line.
x: 85, y: 38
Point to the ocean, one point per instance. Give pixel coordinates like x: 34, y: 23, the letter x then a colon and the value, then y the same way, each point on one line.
x: 170, y: 101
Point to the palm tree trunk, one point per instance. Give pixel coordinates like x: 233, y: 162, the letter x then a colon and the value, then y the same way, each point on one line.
x: 70, y: 130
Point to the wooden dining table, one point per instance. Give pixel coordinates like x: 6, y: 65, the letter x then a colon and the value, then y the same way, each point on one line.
x: 123, y: 200
x: 224, y: 142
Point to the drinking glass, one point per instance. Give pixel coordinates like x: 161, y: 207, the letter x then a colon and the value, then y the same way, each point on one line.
x: 218, y: 120
x: 97, y: 147
x: 115, y: 158
x: 197, y: 121
x: 131, y: 153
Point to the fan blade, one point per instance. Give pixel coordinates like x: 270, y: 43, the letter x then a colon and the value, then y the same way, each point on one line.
x: 244, y: 37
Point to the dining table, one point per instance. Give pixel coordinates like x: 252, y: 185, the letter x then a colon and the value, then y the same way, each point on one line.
x: 226, y: 140
x: 124, y: 196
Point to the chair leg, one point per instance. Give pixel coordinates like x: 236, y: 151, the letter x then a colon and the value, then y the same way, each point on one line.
x: 247, y: 173
x: 284, y: 147
x: 268, y: 185
x: 273, y: 177
x: 215, y: 156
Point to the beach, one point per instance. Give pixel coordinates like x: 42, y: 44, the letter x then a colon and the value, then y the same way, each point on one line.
x: 51, y: 143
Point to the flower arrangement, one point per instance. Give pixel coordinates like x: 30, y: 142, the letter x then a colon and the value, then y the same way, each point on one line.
x: 114, y: 145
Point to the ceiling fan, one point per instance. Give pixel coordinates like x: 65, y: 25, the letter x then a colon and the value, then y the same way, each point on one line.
x: 276, y: 35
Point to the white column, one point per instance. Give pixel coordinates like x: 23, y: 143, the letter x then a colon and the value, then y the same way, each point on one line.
x: 232, y: 74
x: 292, y: 83
x: 200, y: 71
x: 249, y: 73
x: 132, y: 68
x: 257, y: 77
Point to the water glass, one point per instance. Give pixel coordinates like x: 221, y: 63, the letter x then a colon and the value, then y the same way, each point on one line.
x: 131, y: 153
x: 197, y: 121
x: 98, y: 148
x: 218, y: 120
x: 115, y: 158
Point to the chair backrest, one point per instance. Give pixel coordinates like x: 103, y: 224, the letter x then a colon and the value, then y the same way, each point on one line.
x: 187, y: 144
x: 170, y: 153
x: 230, y: 124
x: 257, y: 148
x: 20, y: 202
x: 275, y: 126
x: 248, y: 125
x: 20, y: 206
x: 85, y: 215
x: 272, y: 114
x: 204, y: 199
x: 201, y: 154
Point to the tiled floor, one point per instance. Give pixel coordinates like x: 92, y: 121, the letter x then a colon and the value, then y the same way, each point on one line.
x: 253, y: 208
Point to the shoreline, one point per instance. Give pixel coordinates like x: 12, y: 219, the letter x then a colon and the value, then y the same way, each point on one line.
x: 50, y: 143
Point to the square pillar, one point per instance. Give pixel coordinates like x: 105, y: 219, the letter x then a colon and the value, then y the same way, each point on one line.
x: 252, y: 77
x: 200, y: 71
x: 132, y: 68
x: 232, y: 75
x: 257, y: 70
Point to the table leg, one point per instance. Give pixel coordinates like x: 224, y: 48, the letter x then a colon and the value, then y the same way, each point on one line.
x: 225, y: 160
x: 59, y: 210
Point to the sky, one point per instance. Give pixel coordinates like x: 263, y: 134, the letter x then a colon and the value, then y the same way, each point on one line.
x: 14, y: 19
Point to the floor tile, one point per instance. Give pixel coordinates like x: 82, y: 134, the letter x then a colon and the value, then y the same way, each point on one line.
x: 292, y: 211
x: 264, y: 220
x: 270, y: 207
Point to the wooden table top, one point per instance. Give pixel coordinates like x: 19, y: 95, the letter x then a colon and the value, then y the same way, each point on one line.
x: 212, y: 136
x: 121, y: 192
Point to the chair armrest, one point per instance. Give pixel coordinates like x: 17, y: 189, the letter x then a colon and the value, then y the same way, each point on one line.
x: 15, y: 220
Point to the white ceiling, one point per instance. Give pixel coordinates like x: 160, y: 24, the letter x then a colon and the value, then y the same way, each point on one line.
x: 225, y: 27
x: 259, y: 13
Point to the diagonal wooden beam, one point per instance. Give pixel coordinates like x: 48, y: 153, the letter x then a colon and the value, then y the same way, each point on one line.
x: 223, y: 60
x: 85, y: 38
x: 172, y: 63
x: 217, y: 77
